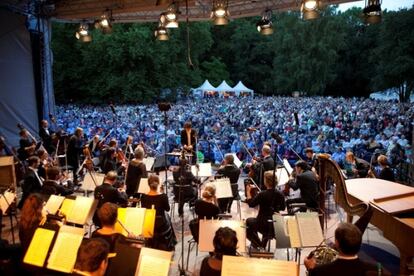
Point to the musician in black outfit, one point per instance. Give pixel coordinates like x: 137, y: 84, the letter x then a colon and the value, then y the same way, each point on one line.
x: 184, y: 182
x: 32, y: 182
x: 265, y: 164
x: 189, y: 140
x: 225, y: 243
x: 27, y: 147
x: 270, y: 201
x: 386, y: 172
x: 45, y: 134
x: 308, y: 184
x: 231, y: 171
x: 205, y: 208
x: 74, y: 151
x: 348, y: 240
x: 164, y: 237
x: 108, y: 193
x: 51, y: 186
x: 135, y: 171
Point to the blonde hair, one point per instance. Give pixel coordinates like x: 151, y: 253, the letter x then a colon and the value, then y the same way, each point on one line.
x: 270, y: 180
x: 209, y: 191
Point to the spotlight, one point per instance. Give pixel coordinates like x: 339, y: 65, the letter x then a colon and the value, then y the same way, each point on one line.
x: 310, y: 9
x: 161, y: 33
x: 220, y: 13
x: 83, y: 33
x: 169, y: 18
x: 105, y: 22
x: 372, y: 11
x: 264, y: 26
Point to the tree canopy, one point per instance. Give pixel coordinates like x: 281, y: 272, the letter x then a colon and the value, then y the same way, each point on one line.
x: 335, y: 55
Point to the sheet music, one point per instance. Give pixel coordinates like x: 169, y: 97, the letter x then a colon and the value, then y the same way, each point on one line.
x: 287, y: 165
x: 132, y: 219
x: 143, y: 187
x: 80, y: 210
x: 309, y: 229
x: 149, y: 162
x: 293, y: 232
x: 242, y: 266
x: 90, y: 179
x: 39, y: 247
x: 67, y: 206
x: 223, y: 188
x: 53, y: 204
x: 64, y: 252
x: 149, y: 222
x: 153, y: 262
x: 204, y: 169
x: 282, y: 176
x: 5, y: 200
x: 237, y: 161
x: 208, y: 229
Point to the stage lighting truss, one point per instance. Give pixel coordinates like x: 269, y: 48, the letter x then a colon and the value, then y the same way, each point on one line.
x: 372, y: 11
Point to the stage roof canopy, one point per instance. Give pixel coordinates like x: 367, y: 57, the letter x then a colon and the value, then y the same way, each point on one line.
x: 148, y: 11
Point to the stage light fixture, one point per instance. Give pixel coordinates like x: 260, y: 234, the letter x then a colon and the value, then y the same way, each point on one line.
x: 105, y: 22
x: 171, y: 15
x: 161, y: 33
x: 265, y: 26
x: 220, y: 13
x: 83, y: 33
x: 372, y: 11
x: 310, y: 9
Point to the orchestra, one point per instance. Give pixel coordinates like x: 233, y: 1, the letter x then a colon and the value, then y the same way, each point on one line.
x: 124, y: 168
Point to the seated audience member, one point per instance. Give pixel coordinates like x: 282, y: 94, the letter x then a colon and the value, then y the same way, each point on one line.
x: 164, y: 236
x: 348, y: 240
x: 231, y: 171
x: 30, y: 217
x: 108, y: 193
x: 308, y: 184
x: 92, y: 258
x: 225, y: 243
x: 51, y: 186
x: 270, y: 201
x: 184, y: 190
x: 355, y: 167
x: 386, y: 172
x: 108, y: 215
x: 205, y: 208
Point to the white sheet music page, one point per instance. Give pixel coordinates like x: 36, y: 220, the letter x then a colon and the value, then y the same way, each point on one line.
x: 149, y: 162
x: 237, y: 161
x: 242, y: 266
x: 287, y: 166
x: 293, y: 232
x: 80, y: 211
x: 204, y: 169
x: 153, y: 262
x: 282, y: 176
x: 310, y: 230
x: 223, y: 188
x: 208, y: 229
x: 64, y: 252
x: 53, y: 204
x: 143, y: 187
x: 134, y: 220
x: 6, y: 199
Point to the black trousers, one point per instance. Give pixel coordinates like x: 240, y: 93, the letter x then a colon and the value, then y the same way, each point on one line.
x: 255, y: 226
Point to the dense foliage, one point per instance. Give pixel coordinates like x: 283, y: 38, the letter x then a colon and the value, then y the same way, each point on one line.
x: 335, y: 55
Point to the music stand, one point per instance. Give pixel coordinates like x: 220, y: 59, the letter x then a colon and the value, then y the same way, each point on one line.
x: 6, y: 200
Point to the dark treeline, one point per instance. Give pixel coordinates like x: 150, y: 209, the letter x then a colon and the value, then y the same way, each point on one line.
x: 335, y: 55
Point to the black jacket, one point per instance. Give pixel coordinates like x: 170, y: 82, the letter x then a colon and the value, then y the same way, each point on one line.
x: 51, y: 187
x: 31, y: 184
x: 107, y: 193
x: 267, y: 164
x: 341, y: 267
x: 184, y: 140
x: 230, y: 171
x: 309, y: 187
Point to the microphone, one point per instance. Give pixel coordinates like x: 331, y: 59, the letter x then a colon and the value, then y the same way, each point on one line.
x: 277, y: 137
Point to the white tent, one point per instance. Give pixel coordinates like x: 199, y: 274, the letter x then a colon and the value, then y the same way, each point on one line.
x: 240, y: 88
x: 225, y: 89
x: 205, y: 87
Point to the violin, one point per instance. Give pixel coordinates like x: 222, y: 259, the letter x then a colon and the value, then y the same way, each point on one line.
x: 88, y: 162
